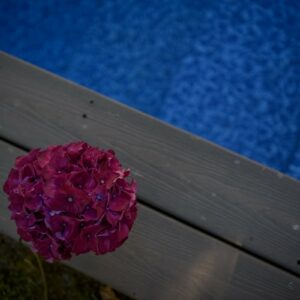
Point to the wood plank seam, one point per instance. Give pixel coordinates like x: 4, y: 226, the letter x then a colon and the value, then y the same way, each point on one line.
x: 212, y: 188
x: 201, y: 267
x: 184, y: 222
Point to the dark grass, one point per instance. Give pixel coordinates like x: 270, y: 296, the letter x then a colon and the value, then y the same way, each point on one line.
x: 20, y: 278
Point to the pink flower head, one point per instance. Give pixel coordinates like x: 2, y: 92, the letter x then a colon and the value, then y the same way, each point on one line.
x: 71, y: 199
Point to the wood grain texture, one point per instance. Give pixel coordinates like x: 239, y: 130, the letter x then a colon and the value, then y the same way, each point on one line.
x: 164, y: 259
x: 216, y: 190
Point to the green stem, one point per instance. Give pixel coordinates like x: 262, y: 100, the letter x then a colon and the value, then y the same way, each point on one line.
x: 43, y: 275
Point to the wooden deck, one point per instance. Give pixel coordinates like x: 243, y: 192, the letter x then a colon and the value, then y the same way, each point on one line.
x: 211, y: 225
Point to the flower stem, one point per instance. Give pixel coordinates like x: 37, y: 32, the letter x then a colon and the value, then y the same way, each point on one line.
x: 43, y: 275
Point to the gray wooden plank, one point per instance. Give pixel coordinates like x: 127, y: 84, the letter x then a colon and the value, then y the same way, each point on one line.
x: 241, y: 201
x: 164, y: 259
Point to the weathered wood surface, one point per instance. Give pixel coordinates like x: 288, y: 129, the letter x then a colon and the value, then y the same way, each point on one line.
x: 164, y: 259
x: 231, y: 197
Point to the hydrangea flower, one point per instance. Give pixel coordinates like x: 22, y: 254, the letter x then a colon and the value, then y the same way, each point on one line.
x: 71, y: 199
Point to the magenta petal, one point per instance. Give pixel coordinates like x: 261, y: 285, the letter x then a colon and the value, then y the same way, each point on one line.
x: 33, y: 197
x: 71, y: 199
x: 26, y: 159
x: 75, y: 150
x: 82, y: 180
x: 119, y: 203
x: 12, y: 181
x: 24, y: 234
x: 27, y: 172
x: 51, y: 186
x: 105, y: 245
x: 112, y: 217
x: 123, y: 232
x: 25, y: 220
x: 47, y: 247
x: 79, y: 246
x: 63, y: 227
x: 16, y: 203
x: 87, y: 240
x: 91, y: 157
x: 65, y: 202
x: 90, y: 213
x: 44, y: 158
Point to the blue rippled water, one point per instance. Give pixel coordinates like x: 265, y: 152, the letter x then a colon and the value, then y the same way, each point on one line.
x: 228, y: 71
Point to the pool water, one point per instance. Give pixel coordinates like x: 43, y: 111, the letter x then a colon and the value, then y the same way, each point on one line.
x: 227, y: 71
